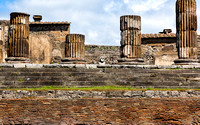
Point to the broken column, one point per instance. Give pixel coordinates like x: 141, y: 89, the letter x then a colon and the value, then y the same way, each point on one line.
x: 130, y: 49
x: 186, y: 26
x: 74, y: 49
x: 18, y: 46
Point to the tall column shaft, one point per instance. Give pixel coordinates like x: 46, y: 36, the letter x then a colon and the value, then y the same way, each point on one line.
x: 75, y: 46
x: 130, y: 27
x: 19, y: 35
x: 186, y: 25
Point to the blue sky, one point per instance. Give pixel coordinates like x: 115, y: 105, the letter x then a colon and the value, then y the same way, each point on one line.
x: 99, y: 20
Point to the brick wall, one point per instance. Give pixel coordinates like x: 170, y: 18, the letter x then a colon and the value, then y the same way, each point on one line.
x: 100, y: 111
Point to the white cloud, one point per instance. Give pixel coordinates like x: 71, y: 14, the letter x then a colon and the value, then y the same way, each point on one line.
x: 126, y: 1
x: 143, y: 6
x: 99, y: 19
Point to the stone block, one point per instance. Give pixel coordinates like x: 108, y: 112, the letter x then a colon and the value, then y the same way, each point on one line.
x: 91, y: 66
x: 127, y: 94
x: 149, y: 94
x: 80, y: 65
x: 34, y: 65
x: 174, y: 94
x: 52, y: 65
x: 20, y: 65
x: 6, y: 65
x: 68, y: 65
x: 137, y: 94
x: 164, y: 94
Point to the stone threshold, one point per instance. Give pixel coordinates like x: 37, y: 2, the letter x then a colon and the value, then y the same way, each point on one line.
x: 79, y: 94
x: 93, y: 66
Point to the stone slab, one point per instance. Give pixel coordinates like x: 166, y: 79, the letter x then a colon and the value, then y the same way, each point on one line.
x: 20, y: 65
x: 34, y: 65
x: 186, y: 62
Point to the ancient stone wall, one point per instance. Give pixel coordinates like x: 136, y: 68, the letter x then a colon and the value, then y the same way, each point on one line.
x: 48, y: 41
x: 109, y: 94
x: 94, y: 53
x: 159, y: 49
x: 41, y: 47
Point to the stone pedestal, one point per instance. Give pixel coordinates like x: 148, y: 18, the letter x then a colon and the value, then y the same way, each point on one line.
x: 17, y: 60
x: 74, y: 49
x: 126, y: 61
x: 130, y: 49
x: 18, y: 46
x: 186, y: 26
x: 186, y: 61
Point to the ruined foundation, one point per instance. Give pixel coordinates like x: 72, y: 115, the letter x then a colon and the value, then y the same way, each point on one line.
x: 186, y: 25
x: 18, y: 46
x: 130, y: 27
x: 74, y: 49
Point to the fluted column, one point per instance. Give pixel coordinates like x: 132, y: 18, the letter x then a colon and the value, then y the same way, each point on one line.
x: 130, y: 26
x: 18, y: 46
x: 186, y: 26
x: 74, y: 48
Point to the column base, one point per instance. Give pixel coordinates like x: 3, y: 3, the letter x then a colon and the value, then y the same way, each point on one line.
x: 73, y: 61
x: 126, y: 61
x: 186, y: 61
x: 17, y: 60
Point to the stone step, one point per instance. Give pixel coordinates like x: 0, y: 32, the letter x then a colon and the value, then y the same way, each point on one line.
x: 97, y: 77
x: 33, y: 84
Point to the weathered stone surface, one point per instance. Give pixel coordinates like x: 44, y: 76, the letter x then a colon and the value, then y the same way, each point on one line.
x: 41, y: 48
x: 48, y: 41
x: 130, y: 36
x: 78, y: 94
x: 75, y: 46
x: 141, y: 76
x: 19, y: 35
x: 4, y: 28
x: 34, y: 65
x: 186, y: 25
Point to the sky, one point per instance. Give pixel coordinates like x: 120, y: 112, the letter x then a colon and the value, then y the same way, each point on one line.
x: 98, y: 20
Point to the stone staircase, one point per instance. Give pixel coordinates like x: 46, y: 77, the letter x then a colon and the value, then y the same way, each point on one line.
x: 79, y: 77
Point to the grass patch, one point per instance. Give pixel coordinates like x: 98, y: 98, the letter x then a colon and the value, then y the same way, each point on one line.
x: 100, y: 88
x: 20, y: 80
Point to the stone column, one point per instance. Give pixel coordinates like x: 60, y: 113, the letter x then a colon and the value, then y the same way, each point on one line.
x: 18, y: 46
x: 130, y: 49
x: 186, y: 26
x: 74, y: 49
